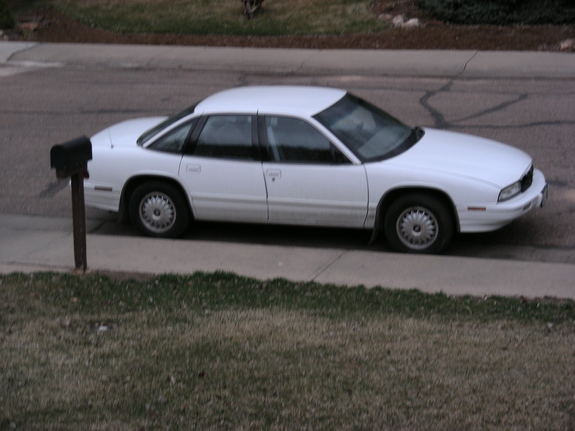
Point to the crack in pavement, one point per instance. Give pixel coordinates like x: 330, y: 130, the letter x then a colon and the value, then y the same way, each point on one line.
x: 500, y: 107
x: 469, y: 60
x: 328, y: 265
x: 440, y: 121
x: 512, y: 126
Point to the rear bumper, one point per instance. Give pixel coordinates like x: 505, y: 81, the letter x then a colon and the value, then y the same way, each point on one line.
x: 494, y: 216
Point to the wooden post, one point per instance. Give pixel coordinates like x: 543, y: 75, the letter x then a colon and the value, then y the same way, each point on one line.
x: 79, y: 221
x: 70, y: 160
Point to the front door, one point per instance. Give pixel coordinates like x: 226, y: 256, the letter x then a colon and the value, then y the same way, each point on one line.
x: 309, y: 181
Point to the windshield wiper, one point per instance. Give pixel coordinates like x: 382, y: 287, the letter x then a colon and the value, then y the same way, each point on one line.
x: 418, y: 133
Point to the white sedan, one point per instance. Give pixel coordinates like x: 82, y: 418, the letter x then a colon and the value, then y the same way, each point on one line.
x: 308, y: 156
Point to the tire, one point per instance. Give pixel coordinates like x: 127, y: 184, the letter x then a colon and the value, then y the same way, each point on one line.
x: 159, y: 209
x: 418, y: 223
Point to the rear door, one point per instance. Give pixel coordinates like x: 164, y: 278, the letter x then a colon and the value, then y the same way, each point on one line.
x: 309, y: 181
x: 222, y: 171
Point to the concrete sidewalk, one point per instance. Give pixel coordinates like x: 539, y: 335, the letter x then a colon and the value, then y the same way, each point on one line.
x: 431, y: 63
x: 45, y: 244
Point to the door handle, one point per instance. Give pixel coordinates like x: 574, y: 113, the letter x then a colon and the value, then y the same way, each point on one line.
x: 193, y: 168
x: 274, y: 174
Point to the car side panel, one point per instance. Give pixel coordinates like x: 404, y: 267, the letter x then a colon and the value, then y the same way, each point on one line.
x: 225, y: 190
x: 384, y: 177
x: 325, y: 195
x: 112, y: 167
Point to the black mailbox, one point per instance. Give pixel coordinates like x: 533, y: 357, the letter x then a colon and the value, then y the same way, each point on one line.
x: 71, y: 157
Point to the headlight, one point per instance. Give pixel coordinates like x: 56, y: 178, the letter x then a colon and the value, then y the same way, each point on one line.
x: 509, y: 191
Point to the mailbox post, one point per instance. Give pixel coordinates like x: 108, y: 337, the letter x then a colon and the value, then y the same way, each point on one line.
x: 70, y: 160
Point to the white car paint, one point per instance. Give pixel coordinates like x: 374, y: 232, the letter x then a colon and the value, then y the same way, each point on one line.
x: 466, y: 156
x: 301, y: 102
x: 468, y: 170
x: 316, y: 195
x: 225, y: 191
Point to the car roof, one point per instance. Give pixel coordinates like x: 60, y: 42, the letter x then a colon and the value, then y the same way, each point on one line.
x: 286, y: 100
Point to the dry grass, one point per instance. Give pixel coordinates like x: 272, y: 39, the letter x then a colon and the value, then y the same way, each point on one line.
x: 277, y: 17
x: 184, y: 361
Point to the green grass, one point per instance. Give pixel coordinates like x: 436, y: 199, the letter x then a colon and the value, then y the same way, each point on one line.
x: 294, y: 17
x: 228, y: 352
x: 223, y: 290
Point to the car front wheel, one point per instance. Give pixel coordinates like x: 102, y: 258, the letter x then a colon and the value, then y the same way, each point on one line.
x: 159, y: 209
x: 418, y: 223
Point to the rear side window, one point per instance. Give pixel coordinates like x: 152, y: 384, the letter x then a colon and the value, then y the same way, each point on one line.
x: 227, y: 137
x: 173, y: 141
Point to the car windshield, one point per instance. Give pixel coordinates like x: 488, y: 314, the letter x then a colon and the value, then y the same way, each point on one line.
x: 369, y: 132
x: 149, y: 134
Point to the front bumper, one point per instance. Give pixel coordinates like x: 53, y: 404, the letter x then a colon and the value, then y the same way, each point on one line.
x: 498, y: 215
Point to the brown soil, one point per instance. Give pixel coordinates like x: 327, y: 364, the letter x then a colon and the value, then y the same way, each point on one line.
x: 48, y: 25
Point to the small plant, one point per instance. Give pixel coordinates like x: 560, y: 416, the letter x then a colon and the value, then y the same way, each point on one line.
x: 202, y: 17
x: 251, y: 7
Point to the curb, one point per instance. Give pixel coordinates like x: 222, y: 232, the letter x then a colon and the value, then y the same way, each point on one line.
x: 8, y: 49
x: 33, y: 244
x: 421, y: 63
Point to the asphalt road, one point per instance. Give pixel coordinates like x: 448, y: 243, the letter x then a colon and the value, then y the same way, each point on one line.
x: 41, y: 106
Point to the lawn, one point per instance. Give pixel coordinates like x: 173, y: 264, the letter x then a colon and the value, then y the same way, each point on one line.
x: 294, y: 17
x: 227, y: 352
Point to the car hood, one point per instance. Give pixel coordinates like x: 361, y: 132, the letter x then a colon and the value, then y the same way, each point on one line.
x: 125, y: 133
x: 467, y: 156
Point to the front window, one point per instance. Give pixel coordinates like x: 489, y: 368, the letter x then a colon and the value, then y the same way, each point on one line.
x: 292, y: 140
x: 369, y: 132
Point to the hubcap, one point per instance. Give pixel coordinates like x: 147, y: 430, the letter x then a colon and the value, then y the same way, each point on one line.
x: 417, y: 228
x: 157, y: 212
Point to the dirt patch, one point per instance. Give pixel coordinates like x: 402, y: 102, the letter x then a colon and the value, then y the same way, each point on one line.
x: 49, y: 25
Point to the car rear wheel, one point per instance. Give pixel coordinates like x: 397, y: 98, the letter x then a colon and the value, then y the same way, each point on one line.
x: 418, y: 223
x: 159, y: 209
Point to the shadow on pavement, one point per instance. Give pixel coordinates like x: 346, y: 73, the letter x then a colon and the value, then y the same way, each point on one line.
x: 502, y: 244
